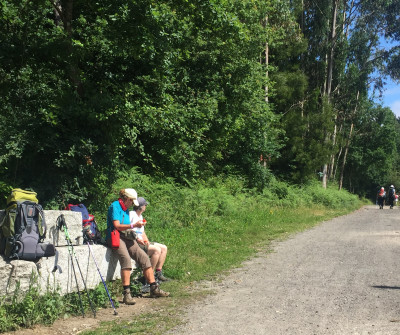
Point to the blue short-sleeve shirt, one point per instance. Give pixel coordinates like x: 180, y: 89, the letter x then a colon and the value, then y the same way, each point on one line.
x: 115, y: 212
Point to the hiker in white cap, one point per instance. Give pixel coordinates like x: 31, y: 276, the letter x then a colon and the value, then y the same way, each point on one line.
x: 392, y: 196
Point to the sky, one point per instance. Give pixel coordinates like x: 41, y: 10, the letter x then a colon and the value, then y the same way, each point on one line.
x: 391, y: 97
x: 391, y: 94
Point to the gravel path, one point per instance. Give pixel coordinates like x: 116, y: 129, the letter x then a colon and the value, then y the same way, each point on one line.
x: 341, y: 277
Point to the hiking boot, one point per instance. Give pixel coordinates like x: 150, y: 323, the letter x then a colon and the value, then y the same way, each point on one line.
x: 128, y: 300
x: 145, y: 288
x: 160, y: 276
x: 156, y: 292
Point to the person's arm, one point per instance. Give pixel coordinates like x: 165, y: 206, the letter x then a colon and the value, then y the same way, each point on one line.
x: 135, y: 221
x: 140, y: 241
x: 145, y: 238
x: 121, y: 227
x: 138, y: 224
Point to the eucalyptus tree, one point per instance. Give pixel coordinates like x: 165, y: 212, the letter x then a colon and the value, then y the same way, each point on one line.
x: 373, y: 152
x: 306, y: 115
x: 335, y: 72
x: 366, y: 25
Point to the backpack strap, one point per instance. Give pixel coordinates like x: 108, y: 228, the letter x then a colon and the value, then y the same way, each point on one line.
x: 24, y: 219
x: 20, y: 210
x: 42, y: 222
x: 56, y: 266
x: 4, y: 220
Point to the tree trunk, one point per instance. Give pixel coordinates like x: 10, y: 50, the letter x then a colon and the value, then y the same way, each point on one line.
x: 332, y: 161
x: 338, y: 159
x: 348, y: 144
x: 328, y: 85
x: 331, y: 50
x: 345, y: 156
x: 64, y: 11
x: 339, y: 153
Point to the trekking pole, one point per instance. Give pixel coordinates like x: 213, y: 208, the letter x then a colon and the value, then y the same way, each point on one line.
x: 104, y: 283
x: 59, y: 225
x: 62, y: 225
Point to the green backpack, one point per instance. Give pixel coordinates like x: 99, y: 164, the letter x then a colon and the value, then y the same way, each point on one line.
x: 23, y: 228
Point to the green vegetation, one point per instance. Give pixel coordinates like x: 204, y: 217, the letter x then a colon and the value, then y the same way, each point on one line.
x: 25, y: 309
x: 208, y: 228
x: 194, y: 89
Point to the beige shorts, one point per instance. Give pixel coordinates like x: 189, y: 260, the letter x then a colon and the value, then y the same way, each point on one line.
x: 129, y: 250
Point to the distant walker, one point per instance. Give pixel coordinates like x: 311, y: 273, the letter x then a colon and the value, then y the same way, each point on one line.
x: 392, y: 196
x: 380, y: 197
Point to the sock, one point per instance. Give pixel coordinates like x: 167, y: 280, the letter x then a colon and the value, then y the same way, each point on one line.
x: 153, y: 284
x: 127, y: 287
x: 157, y: 270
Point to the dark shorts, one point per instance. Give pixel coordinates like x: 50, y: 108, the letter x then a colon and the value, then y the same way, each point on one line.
x: 129, y: 250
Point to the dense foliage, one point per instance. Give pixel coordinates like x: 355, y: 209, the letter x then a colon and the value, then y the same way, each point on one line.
x: 193, y: 89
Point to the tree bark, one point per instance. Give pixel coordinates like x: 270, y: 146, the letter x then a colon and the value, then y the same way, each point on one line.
x: 348, y: 144
x: 332, y: 160
x: 345, y: 156
x: 64, y: 11
x: 328, y: 86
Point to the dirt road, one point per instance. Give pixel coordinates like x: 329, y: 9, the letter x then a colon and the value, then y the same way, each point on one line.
x: 341, y: 277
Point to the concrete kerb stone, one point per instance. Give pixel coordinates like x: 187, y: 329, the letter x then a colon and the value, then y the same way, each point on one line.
x: 63, y: 280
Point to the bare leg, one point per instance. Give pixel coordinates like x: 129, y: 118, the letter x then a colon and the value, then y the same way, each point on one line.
x: 155, y: 253
x: 149, y: 275
x: 125, y: 277
x: 163, y: 255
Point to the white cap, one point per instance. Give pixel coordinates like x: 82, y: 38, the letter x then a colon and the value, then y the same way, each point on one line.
x: 132, y: 194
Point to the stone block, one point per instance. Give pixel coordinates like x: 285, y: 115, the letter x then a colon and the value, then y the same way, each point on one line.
x: 73, y: 222
x: 63, y: 279
x: 80, y: 259
x: 13, y: 272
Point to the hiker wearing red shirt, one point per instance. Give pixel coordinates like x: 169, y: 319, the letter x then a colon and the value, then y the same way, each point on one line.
x: 380, y: 197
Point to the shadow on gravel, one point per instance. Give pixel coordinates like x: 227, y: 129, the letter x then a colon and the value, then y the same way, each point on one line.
x: 387, y: 287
